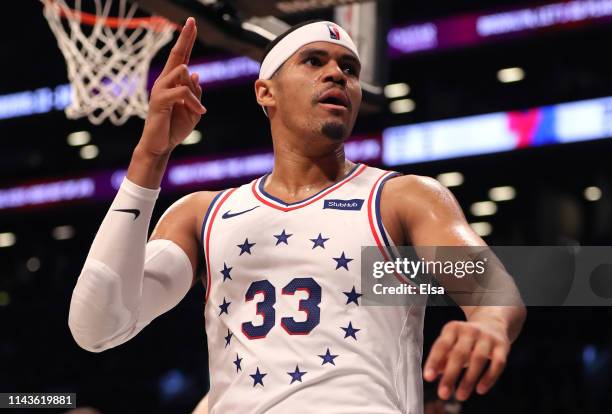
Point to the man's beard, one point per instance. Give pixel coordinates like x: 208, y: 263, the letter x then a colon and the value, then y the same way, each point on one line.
x: 335, y: 131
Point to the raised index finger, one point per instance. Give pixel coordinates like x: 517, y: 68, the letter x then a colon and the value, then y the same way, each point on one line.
x: 182, y: 48
x: 194, y: 36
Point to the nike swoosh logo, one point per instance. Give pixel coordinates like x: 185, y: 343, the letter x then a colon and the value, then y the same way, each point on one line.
x: 133, y: 211
x: 227, y: 214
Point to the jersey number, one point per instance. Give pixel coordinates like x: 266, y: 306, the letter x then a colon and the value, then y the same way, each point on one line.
x: 265, y: 308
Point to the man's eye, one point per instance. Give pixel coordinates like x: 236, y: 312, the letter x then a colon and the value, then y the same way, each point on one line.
x: 313, y: 61
x: 350, y: 70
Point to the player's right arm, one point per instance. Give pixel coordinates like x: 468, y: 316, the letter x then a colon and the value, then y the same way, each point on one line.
x: 125, y: 281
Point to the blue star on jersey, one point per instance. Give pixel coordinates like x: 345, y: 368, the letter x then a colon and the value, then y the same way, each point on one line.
x: 245, y: 247
x: 282, y: 238
x: 352, y: 296
x: 296, y: 375
x: 228, y: 338
x: 226, y: 272
x: 258, y: 377
x: 319, y: 241
x: 224, y: 307
x: 328, y: 358
x: 342, y: 261
x: 237, y: 362
x: 350, y: 331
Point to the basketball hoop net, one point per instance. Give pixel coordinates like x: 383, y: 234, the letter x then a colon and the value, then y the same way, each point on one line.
x: 109, y: 66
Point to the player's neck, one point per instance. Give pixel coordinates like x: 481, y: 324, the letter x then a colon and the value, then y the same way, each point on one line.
x: 298, y: 174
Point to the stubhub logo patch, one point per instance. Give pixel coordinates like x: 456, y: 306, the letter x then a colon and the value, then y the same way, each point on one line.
x: 354, y: 204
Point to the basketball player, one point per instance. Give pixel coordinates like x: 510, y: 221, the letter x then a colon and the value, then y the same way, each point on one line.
x: 286, y: 329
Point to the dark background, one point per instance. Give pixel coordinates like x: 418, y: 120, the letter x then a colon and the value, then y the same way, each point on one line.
x: 560, y: 364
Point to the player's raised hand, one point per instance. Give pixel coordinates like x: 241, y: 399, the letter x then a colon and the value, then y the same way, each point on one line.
x: 174, y: 105
x: 471, y: 345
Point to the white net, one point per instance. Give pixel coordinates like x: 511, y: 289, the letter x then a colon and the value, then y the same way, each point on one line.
x: 107, y: 57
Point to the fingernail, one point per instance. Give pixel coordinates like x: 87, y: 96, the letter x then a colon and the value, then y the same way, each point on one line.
x: 429, y: 374
x: 444, y: 391
x: 481, y: 389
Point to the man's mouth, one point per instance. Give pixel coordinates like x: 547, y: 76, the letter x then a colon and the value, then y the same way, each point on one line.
x: 334, y: 99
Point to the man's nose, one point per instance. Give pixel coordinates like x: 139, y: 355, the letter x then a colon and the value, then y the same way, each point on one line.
x: 334, y: 73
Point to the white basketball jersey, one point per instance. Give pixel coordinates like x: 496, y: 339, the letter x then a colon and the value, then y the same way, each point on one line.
x: 287, y: 332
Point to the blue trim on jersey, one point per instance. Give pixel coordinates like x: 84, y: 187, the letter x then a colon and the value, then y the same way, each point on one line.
x: 381, y: 228
x: 263, y: 180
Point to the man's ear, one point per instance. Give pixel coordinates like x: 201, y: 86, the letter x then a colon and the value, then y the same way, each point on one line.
x: 264, y: 92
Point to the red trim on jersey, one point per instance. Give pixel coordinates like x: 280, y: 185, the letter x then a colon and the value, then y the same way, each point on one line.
x: 370, y: 215
x: 207, y: 241
x: 317, y: 198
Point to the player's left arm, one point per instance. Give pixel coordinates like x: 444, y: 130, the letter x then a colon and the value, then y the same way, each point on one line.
x: 427, y: 214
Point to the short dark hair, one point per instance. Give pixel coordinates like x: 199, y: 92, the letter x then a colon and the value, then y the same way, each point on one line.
x: 282, y: 36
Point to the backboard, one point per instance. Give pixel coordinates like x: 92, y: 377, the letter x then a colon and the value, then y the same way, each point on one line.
x: 244, y: 27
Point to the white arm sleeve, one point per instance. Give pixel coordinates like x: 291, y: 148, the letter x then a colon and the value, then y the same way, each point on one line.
x: 126, y: 282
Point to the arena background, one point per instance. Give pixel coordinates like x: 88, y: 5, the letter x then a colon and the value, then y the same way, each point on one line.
x: 555, y: 158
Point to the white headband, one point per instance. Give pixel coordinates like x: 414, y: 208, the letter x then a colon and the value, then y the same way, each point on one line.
x: 310, y: 33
